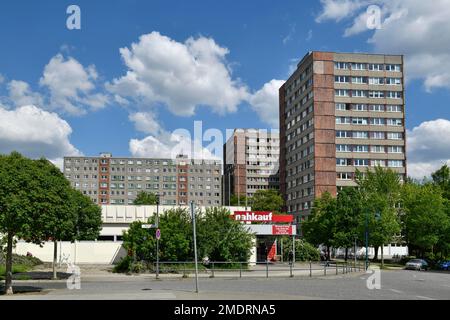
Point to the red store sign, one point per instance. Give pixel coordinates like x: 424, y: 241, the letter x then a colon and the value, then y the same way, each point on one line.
x: 282, y: 230
x: 261, y: 216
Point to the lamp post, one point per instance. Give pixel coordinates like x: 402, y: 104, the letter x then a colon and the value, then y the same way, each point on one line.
x: 157, y: 238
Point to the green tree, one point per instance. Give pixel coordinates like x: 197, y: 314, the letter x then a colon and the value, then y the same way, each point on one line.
x: 441, y: 178
x: 241, y: 201
x: 221, y: 238
x: 320, y: 226
x: 35, y: 204
x: 424, y: 218
x: 347, y: 219
x: 304, y: 251
x: 145, y: 199
x: 267, y: 200
x: 380, y: 192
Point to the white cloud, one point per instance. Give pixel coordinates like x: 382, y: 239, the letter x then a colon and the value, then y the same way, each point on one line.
x: 145, y: 122
x: 169, y: 145
x: 338, y: 9
x: 414, y: 28
x: 182, y: 76
x: 265, y: 102
x: 427, y: 150
x: 2, y: 78
x: 35, y: 133
x: 72, y: 86
x: 21, y: 94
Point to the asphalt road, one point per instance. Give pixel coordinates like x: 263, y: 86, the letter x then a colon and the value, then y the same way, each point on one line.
x: 395, y: 285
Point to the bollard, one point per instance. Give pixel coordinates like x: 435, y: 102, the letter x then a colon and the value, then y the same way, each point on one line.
x: 212, y: 271
x: 310, y: 269
x: 336, y: 268
x: 267, y: 268
x: 184, y: 270
x: 240, y: 270
x: 325, y: 270
x: 290, y: 267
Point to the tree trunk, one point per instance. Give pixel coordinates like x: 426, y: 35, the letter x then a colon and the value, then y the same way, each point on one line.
x: 346, y: 254
x: 375, y: 257
x: 8, y: 281
x: 55, y: 254
x: 382, y: 256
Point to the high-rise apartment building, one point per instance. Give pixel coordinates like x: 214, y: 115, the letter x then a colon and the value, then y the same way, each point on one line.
x: 339, y: 112
x: 109, y: 180
x: 251, y: 162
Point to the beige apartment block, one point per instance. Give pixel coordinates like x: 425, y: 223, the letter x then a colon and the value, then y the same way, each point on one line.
x: 339, y: 112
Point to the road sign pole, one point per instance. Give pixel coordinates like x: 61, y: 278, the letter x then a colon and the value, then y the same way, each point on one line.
x: 195, y: 245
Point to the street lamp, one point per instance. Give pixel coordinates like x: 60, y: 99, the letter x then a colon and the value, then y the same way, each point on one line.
x: 157, y: 238
x: 377, y: 217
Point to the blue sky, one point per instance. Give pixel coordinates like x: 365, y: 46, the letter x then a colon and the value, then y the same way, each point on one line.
x: 264, y: 39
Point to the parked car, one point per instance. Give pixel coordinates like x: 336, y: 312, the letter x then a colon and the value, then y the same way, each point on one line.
x: 417, y: 264
x: 444, y: 265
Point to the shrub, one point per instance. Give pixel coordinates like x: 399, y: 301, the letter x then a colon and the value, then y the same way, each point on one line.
x: 124, y: 265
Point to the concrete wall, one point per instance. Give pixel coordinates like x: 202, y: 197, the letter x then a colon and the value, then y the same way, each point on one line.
x: 78, y: 252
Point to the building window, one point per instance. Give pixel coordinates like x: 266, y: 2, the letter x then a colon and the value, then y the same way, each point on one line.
x: 343, y: 134
x: 394, y: 135
x: 341, y: 79
x: 360, y: 134
x: 360, y: 148
x: 376, y: 107
x: 395, y: 149
x: 342, y: 93
x: 343, y: 148
x: 341, y: 65
x: 395, y: 163
x: 377, y: 121
x: 359, y: 66
x: 344, y: 176
x: 378, y: 163
x: 394, y: 94
x: 377, y: 149
x: 394, y: 122
x: 359, y: 121
x: 377, y: 135
x: 359, y: 107
x: 393, y: 81
x: 393, y: 67
x: 361, y: 162
x: 343, y: 120
x: 359, y: 93
x: 375, y: 67
x: 376, y: 94
x: 376, y: 81
x: 394, y: 108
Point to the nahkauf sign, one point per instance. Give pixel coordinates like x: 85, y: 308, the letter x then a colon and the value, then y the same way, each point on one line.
x: 261, y: 216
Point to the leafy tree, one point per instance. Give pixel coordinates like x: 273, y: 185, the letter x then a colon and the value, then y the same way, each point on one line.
x: 241, y: 200
x: 221, y: 238
x: 380, y: 191
x: 425, y: 220
x: 320, y: 226
x: 304, y: 251
x: 176, y: 235
x: 145, y: 199
x: 347, y: 219
x: 267, y: 200
x: 35, y: 204
x: 441, y: 178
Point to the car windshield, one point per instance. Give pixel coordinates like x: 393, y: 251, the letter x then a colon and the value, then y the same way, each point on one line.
x: 416, y: 261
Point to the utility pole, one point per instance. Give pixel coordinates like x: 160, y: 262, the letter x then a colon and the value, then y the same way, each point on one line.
x: 157, y: 238
x: 195, y: 245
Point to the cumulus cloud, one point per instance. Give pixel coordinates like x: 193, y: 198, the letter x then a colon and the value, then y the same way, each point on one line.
x: 338, y: 9
x: 21, y: 94
x: 182, y: 76
x: 414, y: 28
x: 35, y: 133
x: 265, y: 102
x: 427, y: 151
x: 2, y: 78
x: 145, y: 122
x: 170, y: 145
x: 72, y: 86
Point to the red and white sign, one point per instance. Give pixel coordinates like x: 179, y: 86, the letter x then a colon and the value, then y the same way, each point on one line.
x: 261, y: 216
x: 280, y: 230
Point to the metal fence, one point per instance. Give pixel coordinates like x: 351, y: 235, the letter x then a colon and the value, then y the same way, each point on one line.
x: 260, y: 269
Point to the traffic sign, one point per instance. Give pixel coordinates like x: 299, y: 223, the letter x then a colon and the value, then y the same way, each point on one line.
x: 148, y: 226
x: 158, y: 234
